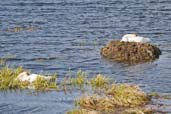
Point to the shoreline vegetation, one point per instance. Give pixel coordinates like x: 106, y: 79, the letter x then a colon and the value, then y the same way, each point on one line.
x: 106, y: 97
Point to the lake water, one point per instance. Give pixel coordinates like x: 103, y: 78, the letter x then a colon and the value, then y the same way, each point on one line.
x: 67, y: 35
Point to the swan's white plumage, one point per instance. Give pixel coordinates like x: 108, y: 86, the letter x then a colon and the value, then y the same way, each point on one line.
x: 135, y: 38
x: 24, y: 76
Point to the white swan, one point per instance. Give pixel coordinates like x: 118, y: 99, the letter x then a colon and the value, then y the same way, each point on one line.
x: 25, y: 76
x: 135, y: 38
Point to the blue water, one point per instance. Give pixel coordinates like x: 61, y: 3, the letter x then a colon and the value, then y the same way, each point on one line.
x: 69, y: 35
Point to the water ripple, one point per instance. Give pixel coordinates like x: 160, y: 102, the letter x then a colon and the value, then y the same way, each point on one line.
x: 70, y: 35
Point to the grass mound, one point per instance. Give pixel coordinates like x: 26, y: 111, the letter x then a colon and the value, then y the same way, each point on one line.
x: 130, y: 52
x: 127, y: 95
x: 119, y: 98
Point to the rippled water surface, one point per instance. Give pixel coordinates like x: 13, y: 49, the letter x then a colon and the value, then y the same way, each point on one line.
x: 68, y: 34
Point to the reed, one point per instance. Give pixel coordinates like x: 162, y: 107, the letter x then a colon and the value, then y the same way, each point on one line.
x: 41, y: 84
x: 99, y: 82
x: 80, y: 80
x: 7, y: 78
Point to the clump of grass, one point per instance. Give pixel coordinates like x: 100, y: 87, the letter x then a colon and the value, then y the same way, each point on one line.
x: 127, y: 95
x: 117, y: 96
x: 8, y: 76
x: 8, y: 81
x: 99, y: 82
x: 80, y: 80
x: 41, y: 84
x: 97, y: 103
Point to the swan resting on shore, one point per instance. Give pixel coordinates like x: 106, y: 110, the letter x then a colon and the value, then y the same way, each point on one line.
x: 25, y: 76
x: 135, y: 38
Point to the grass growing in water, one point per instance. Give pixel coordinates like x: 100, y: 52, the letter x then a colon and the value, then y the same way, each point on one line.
x: 8, y: 81
x: 80, y: 80
x: 7, y: 78
x: 116, y: 97
x: 99, y: 82
x: 42, y: 84
x: 127, y: 95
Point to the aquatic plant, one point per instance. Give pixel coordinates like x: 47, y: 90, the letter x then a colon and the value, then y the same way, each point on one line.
x: 99, y: 81
x: 7, y: 78
x: 127, y: 95
x: 96, y: 102
x: 80, y: 80
x: 117, y: 96
x: 8, y: 81
x: 41, y: 84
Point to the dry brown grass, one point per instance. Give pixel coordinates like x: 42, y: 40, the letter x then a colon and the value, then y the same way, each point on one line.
x: 127, y: 95
x: 118, y: 96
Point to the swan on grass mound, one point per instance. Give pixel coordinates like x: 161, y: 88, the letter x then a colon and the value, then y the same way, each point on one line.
x: 135, y: 38
x: 25, y: 76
